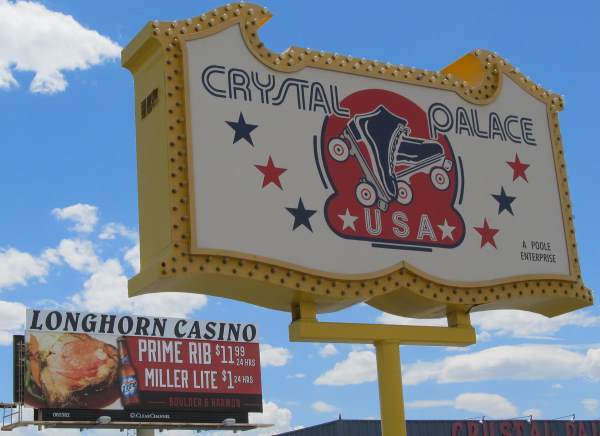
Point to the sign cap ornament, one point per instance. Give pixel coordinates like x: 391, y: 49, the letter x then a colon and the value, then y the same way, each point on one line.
x: 380, y: 199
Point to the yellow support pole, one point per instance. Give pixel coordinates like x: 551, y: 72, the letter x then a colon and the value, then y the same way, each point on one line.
x: 389, y: 378
x: 305, y: 327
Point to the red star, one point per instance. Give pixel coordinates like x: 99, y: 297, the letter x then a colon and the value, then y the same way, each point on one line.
x: 487, y: 234
x: 271, y: 173
x: 519, y: 168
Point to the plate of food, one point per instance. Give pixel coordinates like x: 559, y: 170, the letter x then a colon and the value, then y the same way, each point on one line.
x: 71, y: 370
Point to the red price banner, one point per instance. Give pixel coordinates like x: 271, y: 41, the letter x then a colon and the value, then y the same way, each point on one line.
x: 194, y: 366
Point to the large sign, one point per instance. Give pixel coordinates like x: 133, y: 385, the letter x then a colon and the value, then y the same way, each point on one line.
x: 140, y: 368
x: 272, y: 177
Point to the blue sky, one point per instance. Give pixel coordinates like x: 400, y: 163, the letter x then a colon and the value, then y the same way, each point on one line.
x: 68, y: 182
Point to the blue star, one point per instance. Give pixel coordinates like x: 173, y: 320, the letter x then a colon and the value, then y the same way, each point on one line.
x: 301, y: 215
x: 504, y: 201
x: 242, y: 129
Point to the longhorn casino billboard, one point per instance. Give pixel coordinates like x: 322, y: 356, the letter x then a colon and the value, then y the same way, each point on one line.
x: 267, y: 176
x: 79, y: 366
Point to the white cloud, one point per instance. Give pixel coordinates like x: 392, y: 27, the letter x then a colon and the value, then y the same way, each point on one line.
x: 419, y: 372
x: 518, y: 362
x: 323, y: 407
x: 515, y: 323
x: 83, y: 216
x: 271, y: 414
x: 328, y: 350
x: 557, y: 386
x: 521, y: 324
x: 106, y: 290
x: 111, y: 230
x: 33, y: 431
x: 173, y: 304
x: 79, y: 254
x: 510, y: 362
x: 484, y: 336
x: 298, y: 375
x: 47, y: 43
x: 51, y: 255
x: 591, y: 364
x: 388, y: 318
x: 491, y: 405
x: 274, y: 356
x: 12, y: 319
x: 132, y: 257
x: 429, y: 404
x: 358, y: 367
x: 591, y: 404
x: 458, y: 349
x: 280, y: 417
x: 534, y: 413
x: 18, y: 267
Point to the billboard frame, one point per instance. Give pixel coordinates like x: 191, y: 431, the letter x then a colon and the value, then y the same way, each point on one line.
x: 134, y: 425
x: 224, y: 344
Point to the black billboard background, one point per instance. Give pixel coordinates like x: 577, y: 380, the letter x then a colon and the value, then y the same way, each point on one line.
x: 18, y: 368
x: 67, y: 415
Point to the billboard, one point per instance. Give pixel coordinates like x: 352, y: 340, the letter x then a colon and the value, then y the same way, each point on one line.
x: 78, y: 365
x: 341, y: 180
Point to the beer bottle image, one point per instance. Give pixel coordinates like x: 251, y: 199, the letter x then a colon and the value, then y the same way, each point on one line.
x: 129, y: 385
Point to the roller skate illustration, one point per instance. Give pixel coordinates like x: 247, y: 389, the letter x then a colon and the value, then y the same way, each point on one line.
x: 392, y: 157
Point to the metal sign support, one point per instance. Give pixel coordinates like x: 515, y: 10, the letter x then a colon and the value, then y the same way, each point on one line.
x: 387, y: 339
x: 389, y: 377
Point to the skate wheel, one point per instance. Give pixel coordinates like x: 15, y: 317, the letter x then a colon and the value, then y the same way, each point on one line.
x: 440, y: 178
x: 405, y: 194
x: 338, y: 150
x: 365, y: 194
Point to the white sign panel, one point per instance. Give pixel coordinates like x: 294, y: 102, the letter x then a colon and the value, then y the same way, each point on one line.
x: 350, y: 175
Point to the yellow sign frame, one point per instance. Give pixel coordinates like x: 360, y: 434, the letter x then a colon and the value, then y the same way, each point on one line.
x: 156, y: 57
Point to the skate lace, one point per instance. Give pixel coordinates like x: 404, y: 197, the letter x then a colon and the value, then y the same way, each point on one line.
x: 400, y: 129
